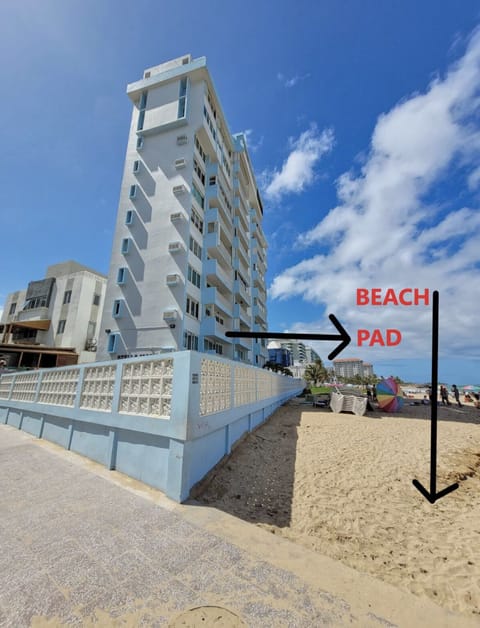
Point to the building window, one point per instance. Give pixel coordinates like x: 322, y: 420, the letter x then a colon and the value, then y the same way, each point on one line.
x: 208, y: 345
x: 212, y: 181
x: 140, y: 141
x: 190, y: 341
x: 142, y: 106
x: 96, y: 299
x: 67, y: 297
x: 192, y: 307
x: 133, y: 191
x: 197, y: 196
x: 193, y: 276
x: 125, y: 245
x: 199, y: 171
x: 195, y: 248
x: 129, y: 217
x: 182, y: 98
x: 12, y: 309
x: 112, y: 343
x: 201, y: 152
x: 61, y: 326
x: 117, y: 308
x: 136, y: 166
x: 121, y: 276
x: 197, y: 220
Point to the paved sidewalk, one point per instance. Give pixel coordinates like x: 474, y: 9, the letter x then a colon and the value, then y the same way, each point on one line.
x: 81, y: 545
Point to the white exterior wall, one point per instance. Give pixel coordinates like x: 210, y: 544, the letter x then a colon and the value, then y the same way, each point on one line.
x: 77, y: 314
x: 145, y: 297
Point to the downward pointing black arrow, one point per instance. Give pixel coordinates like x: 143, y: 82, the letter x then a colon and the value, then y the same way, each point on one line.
x: 343, y: 336
x: 433, y: 496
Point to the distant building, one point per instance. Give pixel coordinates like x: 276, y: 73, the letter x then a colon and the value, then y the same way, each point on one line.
x: 55, y: 321
x: 301, y: 353
x: 278, y: 354
x: 349, y: 367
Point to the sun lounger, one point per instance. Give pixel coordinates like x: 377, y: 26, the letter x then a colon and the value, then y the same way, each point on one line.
x: 348, y: 403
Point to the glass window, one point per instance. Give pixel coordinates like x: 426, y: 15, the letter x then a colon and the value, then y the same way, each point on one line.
x: 143, y: 100
x: 129, y: 217
x: 96, y: 299
x: 197, y: 196
x: 192, y: 307
x: 195, y: 248
x: 125, y: 245
x: 136, y: 165
x: 112, y: 343
x: 182, y: 98
x: 190, y: 341
x: 141, y: 120
x: 196, y: 220
x: 67, y: 297
x: 139, y: 143
x: 117, y: 308
x: 61, y: 326
x: 133, y: 191
x: 13, y: 307
x: 121, y: 274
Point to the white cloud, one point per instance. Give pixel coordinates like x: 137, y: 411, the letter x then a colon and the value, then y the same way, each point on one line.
x: 384, y: 234
x: 298, y: 170
x: 291, y: 82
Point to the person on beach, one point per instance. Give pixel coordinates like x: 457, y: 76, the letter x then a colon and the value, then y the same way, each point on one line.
x: 444, y: 396
x: 456, y: 394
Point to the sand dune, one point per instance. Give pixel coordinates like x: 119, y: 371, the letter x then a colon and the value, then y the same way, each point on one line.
x: 342, y: 485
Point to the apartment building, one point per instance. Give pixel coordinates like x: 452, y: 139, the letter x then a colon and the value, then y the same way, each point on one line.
x: 349, y: 367
x: 301, y: 353
x: 189, y: 253
x: 55, y: 320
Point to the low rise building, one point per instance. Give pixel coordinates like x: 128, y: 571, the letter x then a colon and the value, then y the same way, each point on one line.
x: 346, y: 368
x: 55, y: 321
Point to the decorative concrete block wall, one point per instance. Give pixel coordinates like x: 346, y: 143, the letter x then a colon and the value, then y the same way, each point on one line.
x: 165, y: 420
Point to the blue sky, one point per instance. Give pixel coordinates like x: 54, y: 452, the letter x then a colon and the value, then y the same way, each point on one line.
x: 363, y: 122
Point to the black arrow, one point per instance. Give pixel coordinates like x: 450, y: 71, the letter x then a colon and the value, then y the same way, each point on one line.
x: 433, y: 496
x: 343, y: 336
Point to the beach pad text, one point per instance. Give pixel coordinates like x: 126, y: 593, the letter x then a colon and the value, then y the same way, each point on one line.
x: 379, y: 297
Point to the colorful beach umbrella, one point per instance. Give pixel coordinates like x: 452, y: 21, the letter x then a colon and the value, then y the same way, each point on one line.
x: 389, y: 395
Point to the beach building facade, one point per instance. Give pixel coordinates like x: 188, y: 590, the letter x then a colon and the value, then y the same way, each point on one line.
x: 279, y: 355
x: 301, y: 353
x: 55, y: 320
x: 189, y: 252
x: 346, y: 368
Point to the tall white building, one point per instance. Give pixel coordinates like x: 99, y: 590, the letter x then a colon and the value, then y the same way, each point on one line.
x: 189, y: 253
x: 349, y: 367
x: 55, y: 321
x: 301, y: 353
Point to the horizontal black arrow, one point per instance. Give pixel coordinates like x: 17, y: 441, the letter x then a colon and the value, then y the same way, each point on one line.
x: 433, y: 496
x: 342, y: 335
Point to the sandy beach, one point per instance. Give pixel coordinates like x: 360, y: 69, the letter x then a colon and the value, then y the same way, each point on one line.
x: 341, y: 485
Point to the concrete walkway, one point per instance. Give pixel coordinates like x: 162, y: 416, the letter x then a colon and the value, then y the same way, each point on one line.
x: 80, y: 545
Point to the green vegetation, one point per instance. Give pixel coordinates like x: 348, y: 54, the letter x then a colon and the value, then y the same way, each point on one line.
x: 320, y: 390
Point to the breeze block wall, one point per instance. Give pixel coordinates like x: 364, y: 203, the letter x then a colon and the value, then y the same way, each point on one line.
x: 165, y: 420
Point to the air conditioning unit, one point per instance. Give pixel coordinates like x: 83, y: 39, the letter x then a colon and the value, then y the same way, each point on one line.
x: 174, y: 247
x: 176, y: 216
x: 170, y: 315
x: 182, y: 139
x: 179, y: 189
x: 173, y: 280
x: 180, y: 163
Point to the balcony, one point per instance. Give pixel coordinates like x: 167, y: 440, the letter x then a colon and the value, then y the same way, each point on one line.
x: 259, y: 263
x: 213, y: 329
x: 215, y: 215
x: 258, y: 279
x: 260, y: 295
x: 260, y: 313
x: 240, y: 290
x: 243, y: 314
x: 213, y: 296
x: 216, y: 276
x: 240, y: 250
x: 217, y: 249
x: 237, y: 264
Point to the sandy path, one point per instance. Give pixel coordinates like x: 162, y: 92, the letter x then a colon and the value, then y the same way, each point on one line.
x: 342, y: 485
